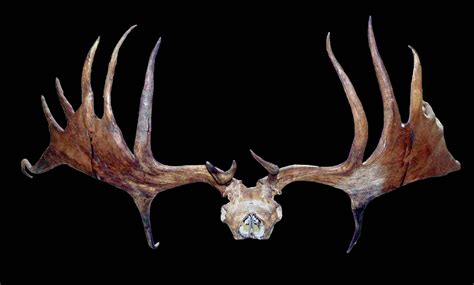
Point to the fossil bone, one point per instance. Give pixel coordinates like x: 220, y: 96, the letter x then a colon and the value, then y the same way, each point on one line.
x: 95, y: 146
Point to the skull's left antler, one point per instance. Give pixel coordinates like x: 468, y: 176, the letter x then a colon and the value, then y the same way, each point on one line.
x: 405, y: 153
x: 95, y: 146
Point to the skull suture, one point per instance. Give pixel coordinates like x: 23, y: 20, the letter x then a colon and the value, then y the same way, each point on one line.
x: 251, y: 212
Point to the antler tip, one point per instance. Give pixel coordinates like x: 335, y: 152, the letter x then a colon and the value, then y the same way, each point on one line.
x: 272, y: 169
x: 25, y: 164
x: 458, y: 164
x: 328, y: 41
x: 350, y: 247
x: 222, y: 177
x: 211, y: 168
x: 328, y: 44
x: 415, y: 54
x: 96, y: 43
x: 129, y: 30
x: 369, y: 27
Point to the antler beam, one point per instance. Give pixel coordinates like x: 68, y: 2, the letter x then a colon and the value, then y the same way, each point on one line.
x: 96, y: 146
x: 405, y: 152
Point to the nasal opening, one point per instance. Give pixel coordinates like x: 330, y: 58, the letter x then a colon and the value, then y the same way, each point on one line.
x: 252, y: 227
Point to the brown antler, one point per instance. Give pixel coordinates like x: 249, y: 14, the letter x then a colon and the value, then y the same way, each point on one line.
x: 96, y: 147
x: 405, y: 153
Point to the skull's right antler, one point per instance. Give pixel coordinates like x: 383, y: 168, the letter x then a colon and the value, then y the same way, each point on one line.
x: 405, y: 153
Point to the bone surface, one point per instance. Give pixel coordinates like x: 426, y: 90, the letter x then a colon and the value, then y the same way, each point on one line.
x: 406, y: 152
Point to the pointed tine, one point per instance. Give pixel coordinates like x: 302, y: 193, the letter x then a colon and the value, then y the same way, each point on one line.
x: 26, y: 165
x: 229, y: 174
x: 272, y: 169
x: 211, y: 168
x: 110, y: 75
x: 144, y: 206
x: 355, y: 237
x: 390, y: 108
x: 416, y: 94
x: 359, y: 143
x: 87, y: 94
x: 53, y: 125
x: 46, y: 162
x: 67, y: 108
x: 221, y: 177
x: 142, y: 146
x: 358, y: 213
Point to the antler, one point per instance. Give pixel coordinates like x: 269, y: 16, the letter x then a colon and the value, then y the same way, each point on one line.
x: 96, y: 147
x: 405, y: 153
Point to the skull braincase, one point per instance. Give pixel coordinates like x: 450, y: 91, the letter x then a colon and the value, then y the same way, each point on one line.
x: 252, y: 212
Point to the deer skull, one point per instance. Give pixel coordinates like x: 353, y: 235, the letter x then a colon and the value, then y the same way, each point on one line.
x: 252, y: 212
x: 406, y: 152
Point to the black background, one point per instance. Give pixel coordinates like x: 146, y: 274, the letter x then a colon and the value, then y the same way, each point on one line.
x: 229, y: 79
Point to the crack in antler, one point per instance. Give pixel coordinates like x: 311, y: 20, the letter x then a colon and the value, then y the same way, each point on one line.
x: 405, y: 152
x: 96, y: 146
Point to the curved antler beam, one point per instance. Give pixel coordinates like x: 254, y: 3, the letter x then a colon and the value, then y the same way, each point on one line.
x: 96, y: 146
x: 405, y: 152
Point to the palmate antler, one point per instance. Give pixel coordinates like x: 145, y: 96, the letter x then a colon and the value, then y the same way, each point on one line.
x: 405, y: 153
x: 96, y: 147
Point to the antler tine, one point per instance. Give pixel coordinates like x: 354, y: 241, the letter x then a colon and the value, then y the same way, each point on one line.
x: 416, y: 92
x: 359, y: 143
x: 272, y: 169
x: 391, y: 114
x: 25, y: 164
x: 222, y: 177
x: 46, y: 162
x: 87, y: 93
x: 358, y: 207
x: 426, y: 135
x: 108, y: 114
x: 405, y: 152
x: 52, y: 157
x: 65, y: 105
x: 52, y: 124
x: 144, y: 206
x: 96, y: 146
x: 142, y: 147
